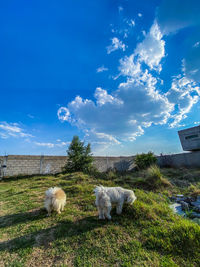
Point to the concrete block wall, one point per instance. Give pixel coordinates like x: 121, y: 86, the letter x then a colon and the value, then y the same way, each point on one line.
x: 189, y: 160
x: 28, y: 165
x: 16, y: 165
x: 52, y: 164
x: 118, y: 163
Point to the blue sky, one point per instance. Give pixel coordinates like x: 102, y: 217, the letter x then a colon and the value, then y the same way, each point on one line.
x: 123, y: 75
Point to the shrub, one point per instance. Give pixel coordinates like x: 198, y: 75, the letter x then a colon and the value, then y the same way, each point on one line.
x: 143, y: 160
x: 193, y: 190
x: 155, y: 178
x: 79, y: 157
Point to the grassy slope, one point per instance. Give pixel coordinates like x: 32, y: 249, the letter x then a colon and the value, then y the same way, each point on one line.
x: 147, y: 233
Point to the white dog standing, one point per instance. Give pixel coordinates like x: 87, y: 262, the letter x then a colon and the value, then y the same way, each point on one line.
x: 105, y: 196
x: 55, y: 200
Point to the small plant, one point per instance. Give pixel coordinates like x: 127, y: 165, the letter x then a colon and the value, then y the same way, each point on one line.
x: 143, y: 160
x: 111, y: 174
x: 155, y: 178
x: 193, y: 190
x: 79, y: 157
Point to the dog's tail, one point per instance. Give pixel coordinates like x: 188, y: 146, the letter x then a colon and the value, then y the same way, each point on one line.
x: 51, y: 191
x: 51, y: 196
x: 98, y: 189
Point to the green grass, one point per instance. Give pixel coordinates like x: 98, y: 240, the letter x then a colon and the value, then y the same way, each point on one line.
x: 147, y: 233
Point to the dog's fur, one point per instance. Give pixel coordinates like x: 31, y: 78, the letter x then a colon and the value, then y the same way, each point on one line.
x: 55, y: 200
x: 105, y: 196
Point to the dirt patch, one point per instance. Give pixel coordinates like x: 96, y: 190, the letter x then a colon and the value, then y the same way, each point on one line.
x: 39, y: 258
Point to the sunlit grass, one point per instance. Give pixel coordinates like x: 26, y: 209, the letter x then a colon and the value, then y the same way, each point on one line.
x: 147, y: 233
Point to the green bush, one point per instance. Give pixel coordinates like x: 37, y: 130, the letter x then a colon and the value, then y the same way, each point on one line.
x: 143, y: 160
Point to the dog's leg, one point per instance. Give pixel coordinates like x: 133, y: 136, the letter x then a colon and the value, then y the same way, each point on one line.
x: 62, y: 207
x: 58, y: 210
x: 107, y: 212
x: 119, y: 207
x: 49, y: 211
x: 101, y: 213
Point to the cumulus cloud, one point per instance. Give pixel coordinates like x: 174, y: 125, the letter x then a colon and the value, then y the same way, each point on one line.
x: 137, y: 102
x: 184, y: 93
x: 12, y: 130
x: 129, y: 67
x: 152, y: 49
x: 115, y: 45
x: 122, y: 114
x: 102, y: 97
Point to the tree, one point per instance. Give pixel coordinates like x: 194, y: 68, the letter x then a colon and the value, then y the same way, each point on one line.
x: 79, y: 157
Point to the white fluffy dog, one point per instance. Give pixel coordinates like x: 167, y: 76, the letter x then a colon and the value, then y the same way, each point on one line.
x: 55, y: 200
x: 105, y: 196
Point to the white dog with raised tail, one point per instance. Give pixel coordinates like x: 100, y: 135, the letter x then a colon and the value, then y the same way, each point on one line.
x: 105, y: 196
x: 55, y: 200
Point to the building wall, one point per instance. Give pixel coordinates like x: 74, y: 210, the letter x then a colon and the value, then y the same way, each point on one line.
x: 190, y: 138
x: 28, y: 165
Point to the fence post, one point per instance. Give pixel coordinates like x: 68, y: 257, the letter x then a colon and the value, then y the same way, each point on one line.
x: 41, y: 163
x: 107, y: 162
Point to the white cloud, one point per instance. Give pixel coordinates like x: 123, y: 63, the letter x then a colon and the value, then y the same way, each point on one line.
x: 3, y: 135
x: 52, y: 145
x: 100, y: 138
x: 49, y: 145
x: 102, y: 97
x: 12, y: 130
x: 184, y: 93
x: 137, y: 102
x: 131, y: 23
x: 122, y: 114
x: 101, y: 69
x: 128, y: 67
x: 116, y: 44
x: 152, y: 49
x: 63, y: 114
x: 140, y: 15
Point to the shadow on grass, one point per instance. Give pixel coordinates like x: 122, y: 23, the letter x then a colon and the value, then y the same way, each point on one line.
x: 63, y: 230
x: 13, y: 219
x: 21, y: 177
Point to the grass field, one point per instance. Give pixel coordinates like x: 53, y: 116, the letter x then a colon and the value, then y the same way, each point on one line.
x: 147, y: 233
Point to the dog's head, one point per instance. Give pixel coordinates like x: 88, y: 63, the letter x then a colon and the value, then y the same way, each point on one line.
x: 130, y: 197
